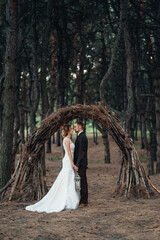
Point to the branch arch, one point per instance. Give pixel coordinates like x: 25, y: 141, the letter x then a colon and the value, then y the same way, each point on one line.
x: 28, y: 177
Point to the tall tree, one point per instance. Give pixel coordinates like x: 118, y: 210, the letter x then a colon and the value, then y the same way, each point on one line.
x: 6, y: 138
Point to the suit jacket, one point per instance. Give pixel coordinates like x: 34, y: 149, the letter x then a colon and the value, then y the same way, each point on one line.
x: 80, y: 153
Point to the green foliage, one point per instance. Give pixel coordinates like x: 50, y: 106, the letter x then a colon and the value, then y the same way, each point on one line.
x: 139, y: 134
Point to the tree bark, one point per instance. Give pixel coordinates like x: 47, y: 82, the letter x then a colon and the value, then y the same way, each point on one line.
x: 34, y: 88
x: 48, y: 146
x: 141, y: 126
x: 156, y: 77
x: 107, y: 75
x: 95, y: 135
x: 104, y: 133
x: 107, y: 158
x: 157, y: 109
x: 58, y: 138
x: 6, y: 138
x: 22, y: 112
x: 19, y: 101
x: 1, y: 101
x: 129, y: 62
x: 44, y: 61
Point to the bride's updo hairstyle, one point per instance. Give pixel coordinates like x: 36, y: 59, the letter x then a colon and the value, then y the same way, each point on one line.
x: 65, y: 130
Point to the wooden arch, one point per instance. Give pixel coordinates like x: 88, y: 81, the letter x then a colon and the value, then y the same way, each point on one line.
x: 28, y: 177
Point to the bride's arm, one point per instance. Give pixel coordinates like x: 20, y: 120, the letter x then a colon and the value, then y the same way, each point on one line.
x: 67, y: 142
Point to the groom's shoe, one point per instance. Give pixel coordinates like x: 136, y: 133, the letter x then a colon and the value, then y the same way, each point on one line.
x: 83, y: 204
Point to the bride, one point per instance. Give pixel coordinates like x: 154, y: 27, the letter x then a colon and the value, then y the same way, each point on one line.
x: 62, y: 195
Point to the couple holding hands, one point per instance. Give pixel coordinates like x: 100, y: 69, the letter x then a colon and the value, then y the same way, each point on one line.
x: 63, y: 195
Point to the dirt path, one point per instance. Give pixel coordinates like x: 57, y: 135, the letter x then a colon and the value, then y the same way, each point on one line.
x: 105, y: 217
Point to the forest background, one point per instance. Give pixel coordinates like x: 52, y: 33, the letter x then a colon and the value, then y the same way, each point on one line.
x: 60, y: 53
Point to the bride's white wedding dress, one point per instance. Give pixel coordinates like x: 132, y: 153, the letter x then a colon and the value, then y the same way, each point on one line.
x: 62, y: 195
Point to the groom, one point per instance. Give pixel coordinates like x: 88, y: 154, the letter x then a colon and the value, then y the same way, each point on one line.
x: 81, y: 161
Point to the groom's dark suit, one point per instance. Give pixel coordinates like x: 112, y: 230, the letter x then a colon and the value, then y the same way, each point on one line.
x: 81, y: 161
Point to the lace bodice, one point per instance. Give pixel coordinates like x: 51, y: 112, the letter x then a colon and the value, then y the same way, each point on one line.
x: 72, y: 146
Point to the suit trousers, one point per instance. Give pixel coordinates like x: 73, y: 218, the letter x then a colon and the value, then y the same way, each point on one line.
x: 84, y: 184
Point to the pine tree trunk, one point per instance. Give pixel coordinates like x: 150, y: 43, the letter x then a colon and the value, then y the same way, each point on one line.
x: 152, y: 131
x: 34, y: 88
x: 141, y: 127
x: 1, y: 102
x: 22, y: 112
x: 156, y: 77
x: 107, y: 158
x: 53, y: 74
x: 48, y: 146
x: 131, y: 128
x: 16, y: 139
x: 97, y: 137
x: 157, y: 109
x: 136, y: 129
x: 53, y: 139
x: 147, y: 146
x: 95, y: 133
x: 58, y: 138
x: 26, y: 124
x: 44, y: 63
x: 129, y: 70
x: 6, y: 141
x: 1, y: 113
x: 153, y: 140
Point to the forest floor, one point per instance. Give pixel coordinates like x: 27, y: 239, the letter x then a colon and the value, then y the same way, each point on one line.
x: 105, y: 217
